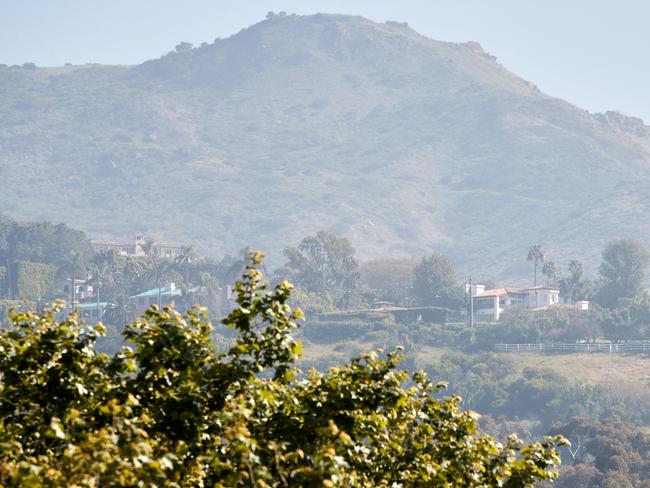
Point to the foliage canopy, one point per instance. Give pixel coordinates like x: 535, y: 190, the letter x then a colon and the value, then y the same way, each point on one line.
x: 435, y: 282
x: 625, y: 262
x: 175, y: 411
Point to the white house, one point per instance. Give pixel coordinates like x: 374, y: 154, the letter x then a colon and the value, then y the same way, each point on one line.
x: 82, y: 289
x: 490, y: 304
x: 136, y: 247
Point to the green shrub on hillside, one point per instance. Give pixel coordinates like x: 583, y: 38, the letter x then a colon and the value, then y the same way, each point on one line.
x: 34, y: 281
x: 607, y: 453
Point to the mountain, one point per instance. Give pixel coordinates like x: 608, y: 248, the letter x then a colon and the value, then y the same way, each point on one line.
x: 402, y: 143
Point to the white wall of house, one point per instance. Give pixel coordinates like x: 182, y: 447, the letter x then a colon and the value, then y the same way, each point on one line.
x: 490, y: 308
x: 487, y: 309
x: 542, y: 297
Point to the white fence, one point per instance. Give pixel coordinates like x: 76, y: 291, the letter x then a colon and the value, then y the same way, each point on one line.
x: 561, y: 347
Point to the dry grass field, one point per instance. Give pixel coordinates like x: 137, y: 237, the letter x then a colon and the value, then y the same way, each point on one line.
x: 602, y: 368
x: 628, y: 374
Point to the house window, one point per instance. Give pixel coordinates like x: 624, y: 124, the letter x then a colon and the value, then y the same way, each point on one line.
x: 483, y: 303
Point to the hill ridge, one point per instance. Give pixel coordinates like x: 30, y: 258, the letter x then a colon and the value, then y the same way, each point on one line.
x: 298, y: 123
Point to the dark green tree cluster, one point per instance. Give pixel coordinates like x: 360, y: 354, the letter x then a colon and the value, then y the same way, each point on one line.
x: 38, y: 259
x: 620, y: 308
x: 435, y: 283
x: 487, y: 384
x: 623, y: 270
x: 329, y: 277
x: 42, y: 243
x: 389, y: 279
x: 622, y: 274
x: 34, y: 280
x: 324, y: 265
x: 605, y: 453
x: 176, y: 411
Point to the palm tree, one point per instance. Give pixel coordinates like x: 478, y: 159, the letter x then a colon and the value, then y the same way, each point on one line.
x: 552, y: 272
x: 208, y: 289
x: 149, y: 248
x: 573, y: 286
x: 158, y: 272
x: 185, y: 258
x: 99, y: 276
x: 120, y: 312
x: 536, y: 254
x: 237, y: 266
x: 76, y: 266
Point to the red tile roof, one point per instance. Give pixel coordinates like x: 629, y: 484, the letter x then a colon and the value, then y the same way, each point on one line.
x: 498, y: 292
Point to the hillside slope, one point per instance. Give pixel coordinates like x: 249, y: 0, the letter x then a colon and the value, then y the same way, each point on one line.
x: 402, y: 143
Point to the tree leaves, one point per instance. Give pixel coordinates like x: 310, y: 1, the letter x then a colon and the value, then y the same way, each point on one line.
x: 173, y: 410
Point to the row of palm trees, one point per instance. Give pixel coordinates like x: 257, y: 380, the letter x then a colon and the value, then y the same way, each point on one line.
x: 572, y: 285
x: 97, y: 273
x: 550, y: 269
x: 536, y: 255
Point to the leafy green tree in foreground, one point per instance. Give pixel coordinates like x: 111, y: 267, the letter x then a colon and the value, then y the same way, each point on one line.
x: 175, y: 411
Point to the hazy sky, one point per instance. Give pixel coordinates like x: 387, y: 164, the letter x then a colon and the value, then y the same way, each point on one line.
x: 594, y: 53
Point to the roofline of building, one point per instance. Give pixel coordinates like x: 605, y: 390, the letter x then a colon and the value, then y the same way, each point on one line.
x: 154, y: 292
x: 513, y: 291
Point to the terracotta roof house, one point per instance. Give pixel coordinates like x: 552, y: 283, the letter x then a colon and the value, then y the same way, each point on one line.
x: 490, y: 304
